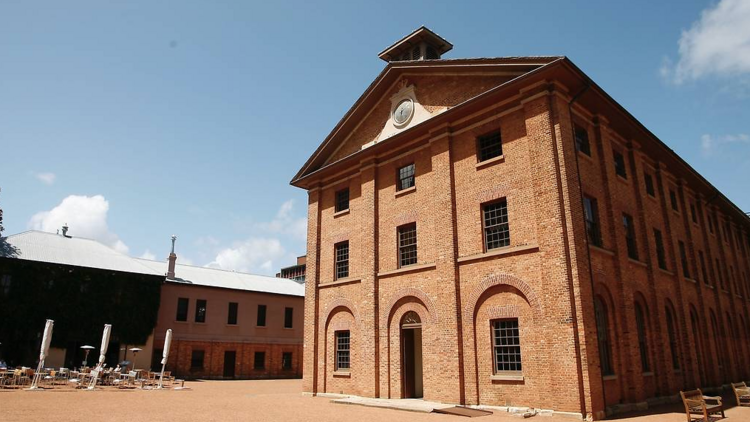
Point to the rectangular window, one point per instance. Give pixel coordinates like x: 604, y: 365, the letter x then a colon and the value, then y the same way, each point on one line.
x: 341, y: 269
x: 582, y: 140
x: 591, y: 213
x: 232, y: 314
x: 640, y: 323
x: 196, y: 359
x: 727, y: 232
x: 673, y: 348
x: 602, y: 331
x: 288, y: 317
x: 684, y: 259
x: 661, y: 257
x: 405, y: 177
x: 496, y: 227
x: 342, y: 200
x: 673, y: 200
x: 407, y: 245
x: 620, y: 169
x: 182, y: 309
x: 703, y: 268
x: 649, y: 184
x: 693, y: 214
x: 342, y: 351
x: 286, y: 361
x: 259, y: 361
x: 200, y: 310
x: 506, y: 344
x: 489, y: 146
x: 721, y: 276
x: 627, y: 221
x: 710, y: 224
x: 261, y: 319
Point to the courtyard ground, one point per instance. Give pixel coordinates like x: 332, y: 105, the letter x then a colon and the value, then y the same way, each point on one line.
x: 266, y: 400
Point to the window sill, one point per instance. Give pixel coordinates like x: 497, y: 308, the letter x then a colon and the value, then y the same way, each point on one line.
x: 708, y: 286
x: 622, y: 179
x: 491, y: 161
x: 725, y: 291
x: 406, y: 191
x: 289, y: 328
x: 340, y: 213
x: 407, y: 269
x: 506, y: 377
x: 602, y: 250
x: 507, y: 250
x: 637, y: 262
x: 648, y: 374
x: 609, y: 377
x: 691, y: 280
x: 585, y: 156
x: 667, y: 272
x: 339, y: 282
x: 652, y: 197
x: 232, y: 325
x: 261, y: 326
x: 181, y: 322
x: 342, y: 374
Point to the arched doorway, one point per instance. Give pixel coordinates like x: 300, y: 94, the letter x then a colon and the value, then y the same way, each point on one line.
x: 411, y: 355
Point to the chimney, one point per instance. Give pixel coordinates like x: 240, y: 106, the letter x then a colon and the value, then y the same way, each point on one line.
x: 65, y: 230
x: 172, y: 260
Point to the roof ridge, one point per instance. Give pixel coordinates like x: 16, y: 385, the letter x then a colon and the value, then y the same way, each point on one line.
x: 211, y: 268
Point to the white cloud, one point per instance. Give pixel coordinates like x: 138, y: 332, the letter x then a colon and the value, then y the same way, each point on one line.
x: 148, y: 255
x: 286, y: 223
x: 46, y: 178
x: 254, y: 255
x: 717, y: 44
x: 85, y: 215
x: 711, y: 145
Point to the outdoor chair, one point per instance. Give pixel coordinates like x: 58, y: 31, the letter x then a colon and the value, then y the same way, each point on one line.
x: 742, y: 392
x: 697, y: 404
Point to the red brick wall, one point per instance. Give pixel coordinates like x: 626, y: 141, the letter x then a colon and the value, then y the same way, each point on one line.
x: 547, y: 277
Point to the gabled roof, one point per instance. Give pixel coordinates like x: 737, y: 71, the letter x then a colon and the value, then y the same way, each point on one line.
x: 87, y: 253
x: 391, y: 73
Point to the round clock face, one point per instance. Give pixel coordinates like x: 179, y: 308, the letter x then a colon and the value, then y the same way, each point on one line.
x: 403, y: 111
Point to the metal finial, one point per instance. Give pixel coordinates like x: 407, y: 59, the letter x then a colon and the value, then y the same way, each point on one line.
x: 174, y: 237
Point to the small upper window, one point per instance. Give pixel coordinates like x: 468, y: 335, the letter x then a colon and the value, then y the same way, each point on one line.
x: 288, y: 317
x: 620, y: 165
x: 232, y: 313
x: 693, y: 214
x: 260, y: 321
x: 342, y: 200
x: 582, y: 140
x: 405, y: 177
x: 661, y: 257
x: 649, y: 184
x: 182, y: 309
x: 673, y: 200
x: 627, y: 222
x: 489, y: 146
x: 200, y: 310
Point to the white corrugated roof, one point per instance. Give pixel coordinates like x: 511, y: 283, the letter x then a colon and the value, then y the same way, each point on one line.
x: 76, y: 251
x: 80, y: 252
x: 214, y: 277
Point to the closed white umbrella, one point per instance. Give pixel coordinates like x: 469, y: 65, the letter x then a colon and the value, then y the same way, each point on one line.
x: 165, y: 355
x: 43, y: 352
x: 102, y: 356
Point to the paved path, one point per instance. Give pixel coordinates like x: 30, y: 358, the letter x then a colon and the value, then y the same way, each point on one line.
x: 273, y: 400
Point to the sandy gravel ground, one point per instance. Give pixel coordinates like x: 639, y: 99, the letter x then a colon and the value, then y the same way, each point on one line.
x: 273, y: 400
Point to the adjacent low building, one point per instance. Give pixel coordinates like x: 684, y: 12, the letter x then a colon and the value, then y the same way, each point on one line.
x: 295, y: 272
x: 225, y: 324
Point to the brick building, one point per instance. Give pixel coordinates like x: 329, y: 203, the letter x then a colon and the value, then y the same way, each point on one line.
x: 500, y: 231
x: 225, y: 324
x: 294, y: 272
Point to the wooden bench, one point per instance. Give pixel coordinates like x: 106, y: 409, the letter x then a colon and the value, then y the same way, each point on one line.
x: 696, y: 404
x: 742, y: 392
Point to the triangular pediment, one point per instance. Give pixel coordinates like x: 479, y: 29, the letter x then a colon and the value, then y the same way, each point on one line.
x: 407, y: 94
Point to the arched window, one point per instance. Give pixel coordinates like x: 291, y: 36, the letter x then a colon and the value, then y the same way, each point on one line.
x: 602, y: 332
x: 673, y: 346
x: 640, y: 322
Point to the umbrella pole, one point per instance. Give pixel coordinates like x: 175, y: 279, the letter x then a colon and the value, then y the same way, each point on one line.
x: 37, y: 375
x: 161, y: 377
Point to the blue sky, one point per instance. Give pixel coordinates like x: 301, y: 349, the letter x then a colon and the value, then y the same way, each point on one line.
x: 133, y: 122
